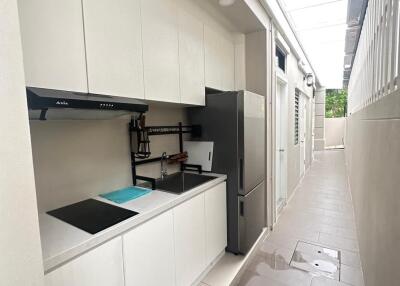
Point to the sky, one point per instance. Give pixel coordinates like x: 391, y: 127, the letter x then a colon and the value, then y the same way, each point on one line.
x: 321, y: 28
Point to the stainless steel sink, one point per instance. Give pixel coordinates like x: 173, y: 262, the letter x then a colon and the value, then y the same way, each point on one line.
x: 180, y: 182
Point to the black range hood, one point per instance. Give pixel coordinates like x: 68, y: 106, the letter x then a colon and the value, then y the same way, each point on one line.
x: 60, y: 104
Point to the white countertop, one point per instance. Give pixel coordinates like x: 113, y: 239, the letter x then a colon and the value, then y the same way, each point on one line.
x: 62, y: 242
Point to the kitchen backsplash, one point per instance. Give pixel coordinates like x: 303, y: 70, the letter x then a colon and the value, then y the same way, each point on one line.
x: 75, y: 160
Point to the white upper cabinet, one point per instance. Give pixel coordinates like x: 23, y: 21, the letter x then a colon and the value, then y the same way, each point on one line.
x: 190, y: 244
x: 149, y: 253
x: 228, y: 64
x: 53, y: 44
x: 114, y: 47
x: 191, y: 59
x: 219, y: 60
x: 213, y: 60
x: 160, y: 50
x: 102, y: 266
x: 216, y: 226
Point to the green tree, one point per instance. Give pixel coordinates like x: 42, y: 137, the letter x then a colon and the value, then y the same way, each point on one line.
x: 336, y: 103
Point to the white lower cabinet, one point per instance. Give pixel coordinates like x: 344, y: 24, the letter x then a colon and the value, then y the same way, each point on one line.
x: 102, y: 266
x: 190, y: 242
x: 174, y: 248
x: 149, y: 253
x: 215, y: 213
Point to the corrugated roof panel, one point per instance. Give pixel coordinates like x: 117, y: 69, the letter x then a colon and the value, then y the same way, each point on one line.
x: 351, y: 39
x: 354, y: 10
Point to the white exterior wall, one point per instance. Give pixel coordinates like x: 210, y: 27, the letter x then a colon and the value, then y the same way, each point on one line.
x: 295, y: 80
x: 265, y: 10
x: 319, y: 127
x: 372, y: 142
x: 335, y: 129
x: 373, y: 156
x: 21, y: 257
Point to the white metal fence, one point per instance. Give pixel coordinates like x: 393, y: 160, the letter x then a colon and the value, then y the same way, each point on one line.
x: 376, y: 65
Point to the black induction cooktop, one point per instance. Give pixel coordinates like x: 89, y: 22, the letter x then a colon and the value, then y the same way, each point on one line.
x: 92, y: 215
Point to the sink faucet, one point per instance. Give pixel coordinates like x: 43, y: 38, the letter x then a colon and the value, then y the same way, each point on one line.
x: 163, y: 166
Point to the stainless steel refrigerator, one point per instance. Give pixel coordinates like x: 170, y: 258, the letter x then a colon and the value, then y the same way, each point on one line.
x: 235, y: 121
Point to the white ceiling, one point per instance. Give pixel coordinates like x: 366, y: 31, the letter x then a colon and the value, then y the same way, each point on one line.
x: 321, y: 28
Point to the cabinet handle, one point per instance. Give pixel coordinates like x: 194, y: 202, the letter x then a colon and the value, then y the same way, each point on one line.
x: 241, y: 208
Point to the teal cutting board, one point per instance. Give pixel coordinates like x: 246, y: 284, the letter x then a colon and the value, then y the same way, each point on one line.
x: 125, y: 195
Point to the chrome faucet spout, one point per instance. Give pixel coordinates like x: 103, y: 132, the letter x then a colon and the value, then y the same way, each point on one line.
x: 163, y: 166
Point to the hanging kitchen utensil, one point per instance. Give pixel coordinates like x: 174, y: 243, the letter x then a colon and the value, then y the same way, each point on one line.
x: 140, y: 143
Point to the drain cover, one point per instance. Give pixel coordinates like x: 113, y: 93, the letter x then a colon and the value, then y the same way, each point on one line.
x: 316, y: 260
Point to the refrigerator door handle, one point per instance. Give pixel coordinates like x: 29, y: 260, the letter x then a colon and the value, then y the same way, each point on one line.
x: 241, y: 174
x: 241, y: 208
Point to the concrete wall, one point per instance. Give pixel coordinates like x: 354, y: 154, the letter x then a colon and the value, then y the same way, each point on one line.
x: 21, y: 257
x: 335, y: 129
x: 373, y: 159
x: 75, y: 160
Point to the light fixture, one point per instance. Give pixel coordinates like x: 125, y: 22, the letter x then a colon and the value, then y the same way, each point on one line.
x: 226, y: 2
x: 309, y: 78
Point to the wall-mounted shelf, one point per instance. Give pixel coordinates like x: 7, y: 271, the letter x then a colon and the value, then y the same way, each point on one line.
x: 143, y: 134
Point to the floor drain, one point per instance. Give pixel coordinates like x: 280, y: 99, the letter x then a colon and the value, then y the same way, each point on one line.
x: 317, y: 260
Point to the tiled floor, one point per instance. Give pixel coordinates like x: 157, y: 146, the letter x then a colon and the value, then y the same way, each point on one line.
x: 320, y: 213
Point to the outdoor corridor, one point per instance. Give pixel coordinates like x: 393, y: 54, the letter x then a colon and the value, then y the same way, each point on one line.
x: 314, y: 242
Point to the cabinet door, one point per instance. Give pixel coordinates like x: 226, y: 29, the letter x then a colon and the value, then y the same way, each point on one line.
x: 191, y: 59
x: 228, y: 64
x: 149, y: 253
x: 215, y: 210
x: 213, y: 60
x: 53, y: 44
x: 101, y: 266
x: 190, y: 246
x: 114, y: 47
x: 219, y: 60
x: 160, y: 50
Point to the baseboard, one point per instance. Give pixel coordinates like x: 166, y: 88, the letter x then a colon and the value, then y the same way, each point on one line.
x: 208, y: 268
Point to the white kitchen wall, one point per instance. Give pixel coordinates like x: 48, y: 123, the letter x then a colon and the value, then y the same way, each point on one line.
x: 75, y: 160
x: 21, y: 257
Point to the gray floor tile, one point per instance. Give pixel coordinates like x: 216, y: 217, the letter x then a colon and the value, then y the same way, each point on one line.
x: 320, y: 213
x: 352, y: 276
x: 279, y: 270
x: 350, y: 258
x: 252, y: 279
x: 323, y: 281
x: 338, y: 242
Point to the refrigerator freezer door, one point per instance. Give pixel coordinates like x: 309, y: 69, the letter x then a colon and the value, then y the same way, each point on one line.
x: 254, y: 138
x: 251, y: 217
